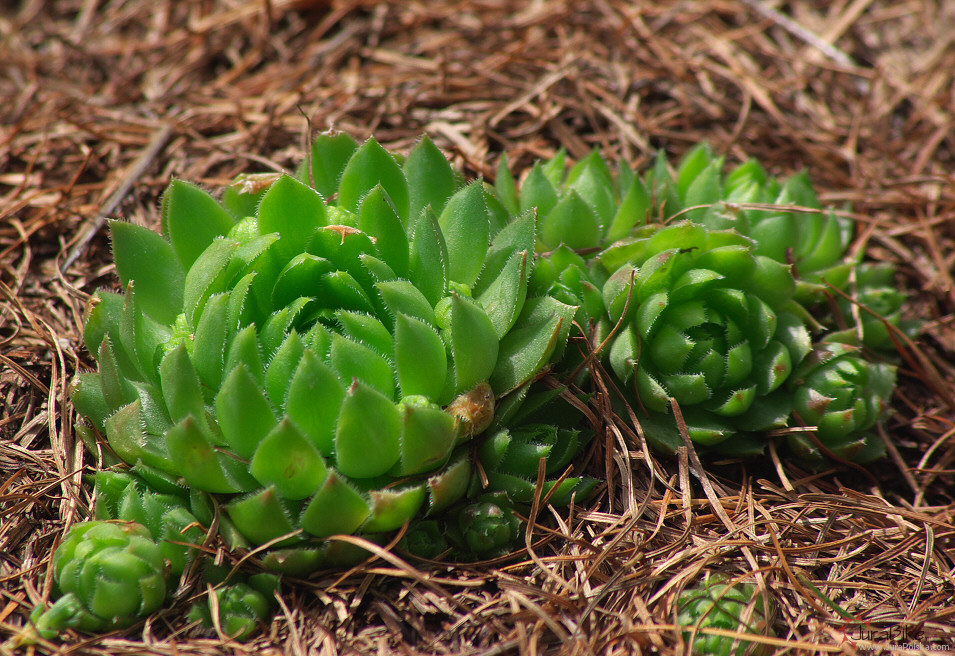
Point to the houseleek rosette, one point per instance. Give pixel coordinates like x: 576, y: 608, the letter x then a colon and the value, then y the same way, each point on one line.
x: 716, y: 603
x: 695, y: 316
x: 240, y: 606
x: 841, y: 396
x: 317, y: 365
x: 107, y: 575
x: 596, y: 231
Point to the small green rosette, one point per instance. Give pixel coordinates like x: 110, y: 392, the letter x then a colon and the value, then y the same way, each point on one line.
x: 108, y: 575
x: 840, y: 396
x: 696, y: 316
x: 720, y: 604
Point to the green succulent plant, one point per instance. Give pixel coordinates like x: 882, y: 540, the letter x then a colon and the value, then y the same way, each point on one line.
x: 720, y: 604
x: 107, y: 575
x: 315, y: 351
x: 240, y: 606
x: 652, y: 262
x: 707, y: 322
x: 843, y: 396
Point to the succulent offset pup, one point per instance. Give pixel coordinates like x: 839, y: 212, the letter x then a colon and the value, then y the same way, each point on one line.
x: 108, y: 573
x: 316, y: 352
x: 716, y: 603
x: 710, y: 289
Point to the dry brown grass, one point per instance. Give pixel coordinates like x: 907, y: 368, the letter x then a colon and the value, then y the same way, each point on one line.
x: 104, y: 102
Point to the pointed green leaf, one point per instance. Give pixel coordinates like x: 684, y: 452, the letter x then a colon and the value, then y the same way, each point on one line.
x: 117, y: 390
x: 572, y: 222
x: 449, y: 485
x: 295, y: 211
x: 143, y: 256
x: 427, y: 437
x: 287, y: 459
x: 315, y: 380
x: 337, y: 508
x: 595, y: 188
x: 245, y: 349
x: 366, y: 330
x: 201, y: 465
x: 330, y: 154
x: 339, y: 289
x: 369, y: 166
x: 505, y: 187
x: 299, y: 278
x: 282, y: 366
x: 245, y: 415
x: 208, y: 353
x: 504, y: 297
x: 367, y: 440
x: 428, y: 267
x: 524, y: 352
x: 537, y: 192
x: 633, y: 211
x: 466, y: 228
x: 180, y: 385
x: 473, y: 342
x: 262, y: 517
x: 431, y: 180
x: 276, y: 328
x: 390, y: 509
x: 377, y: 217
x: 420, y: 359
x: 402, y: 297
x: 209, y: 275
x: 191, y: 219
x: 355, y: 361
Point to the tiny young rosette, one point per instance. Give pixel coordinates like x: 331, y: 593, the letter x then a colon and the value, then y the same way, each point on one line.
x: 717, y: 603
x: 315, y: 351
x: 108, y: 575
x: 841, y: 396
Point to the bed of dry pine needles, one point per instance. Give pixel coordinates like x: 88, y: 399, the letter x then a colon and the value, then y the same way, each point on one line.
x: 103, y: 102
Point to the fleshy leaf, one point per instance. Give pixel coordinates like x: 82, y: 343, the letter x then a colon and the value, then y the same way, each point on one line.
x: 143, y: 256
x: 428, y: 267
x: 191, y: 219
x: 289, y: 461
x: 427, y: 437
x: 356, y: 361
x: 431, y: 180
x: 377, y: 217
x: 473, y: 343
x: 337, y: 507
x: 420, y: 359
x: 293, y: 210
x: 369, y: 166
x: 367, y: 439
x: 245, y: 415
x: 330, y: 154
x: 180, y: 385
x: 315, y: 380
x: 201, y: 465
x: 572, y: 222
x: 466, y: 228
x: 390, y: 509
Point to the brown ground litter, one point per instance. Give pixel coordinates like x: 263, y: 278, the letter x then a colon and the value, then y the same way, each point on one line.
x: 103, y: 102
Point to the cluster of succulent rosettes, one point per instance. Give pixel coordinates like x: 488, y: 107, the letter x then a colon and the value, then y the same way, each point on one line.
x: 316, y: 350
x: 717, y: 603
x: 709, y: 288
x: 107, y: 575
